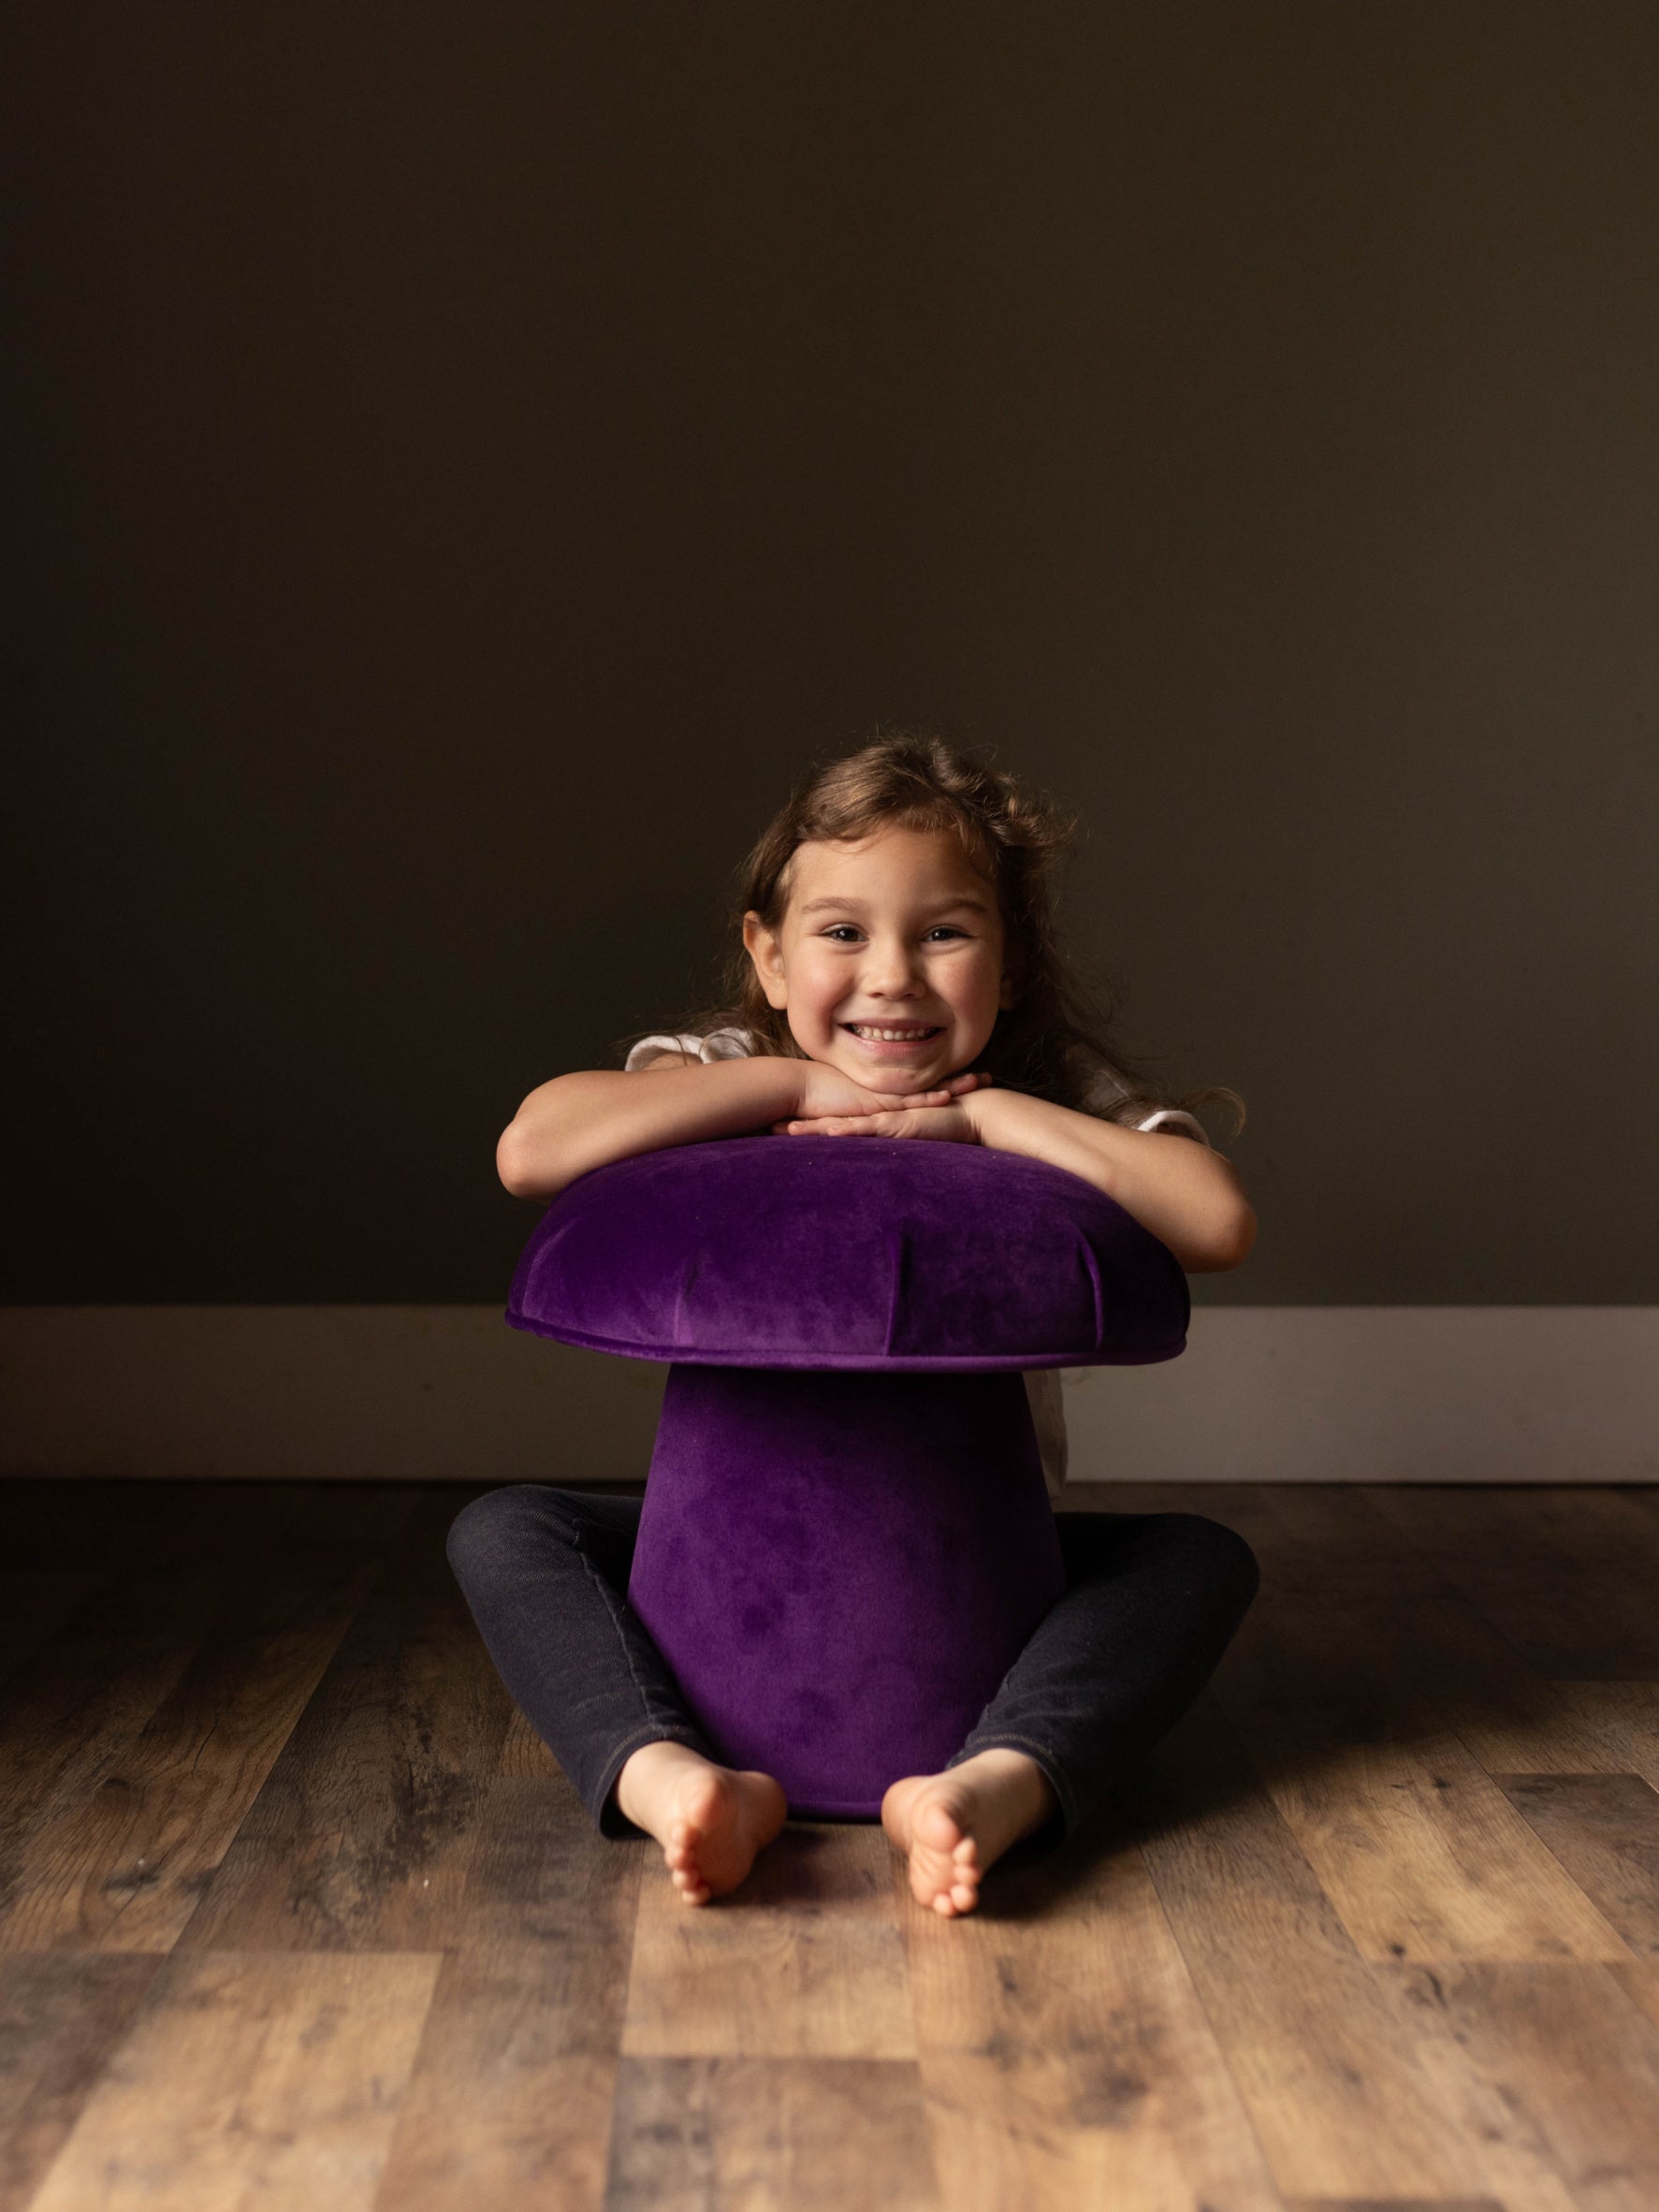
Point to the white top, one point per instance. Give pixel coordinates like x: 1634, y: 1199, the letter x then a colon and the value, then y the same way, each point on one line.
x: 1042, y: 1384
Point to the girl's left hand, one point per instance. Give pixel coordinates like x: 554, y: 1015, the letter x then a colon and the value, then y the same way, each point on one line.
x: 950, y: 1123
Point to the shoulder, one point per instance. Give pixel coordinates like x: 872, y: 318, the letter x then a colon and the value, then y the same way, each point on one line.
x: 718, y: 1045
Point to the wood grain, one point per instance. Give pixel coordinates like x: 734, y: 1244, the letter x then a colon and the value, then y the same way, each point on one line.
x: 510, y: 2099
x: 770, y: 2135
x: 1571, y: 2057
x: 1604, y: 1830
x: 1374, y: 1928
x: 121, y: 1866
x: 61, y: 2017
x: 1349, y: 2094
x: 1331, y: 1685
x: 803, y: 1961
x: 1392, y: 2204
x: 1065, y: 2053
x: 361, y: 1836
x: 1623, y: 1718
x: 251, y: 2081
x: 1570, y: 1575
x: 74, y: 1706
x: 35, y: 1603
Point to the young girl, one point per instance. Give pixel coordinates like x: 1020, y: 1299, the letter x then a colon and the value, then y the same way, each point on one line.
x: 898, y: 975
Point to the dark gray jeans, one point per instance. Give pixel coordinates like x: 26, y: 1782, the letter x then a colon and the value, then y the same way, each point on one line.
x: 1150, y: 1603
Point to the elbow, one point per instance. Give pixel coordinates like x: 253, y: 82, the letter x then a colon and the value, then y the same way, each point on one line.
x: 1229, y: 1248
x: 1226, y: 1244
x: 509, y: 1162
x: 518, y: 1175
x: 1244, y: 1237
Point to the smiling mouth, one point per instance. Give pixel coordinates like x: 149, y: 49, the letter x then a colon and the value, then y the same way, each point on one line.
x: 872, y: 1033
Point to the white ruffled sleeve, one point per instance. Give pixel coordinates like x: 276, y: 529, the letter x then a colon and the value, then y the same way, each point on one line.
x: 719, y: 1044
x: 1109, y: 1086
x: 1176, y: 1118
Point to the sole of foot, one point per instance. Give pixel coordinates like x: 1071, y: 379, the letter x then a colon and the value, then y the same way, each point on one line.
x: 953, y: 1826
x: 711, y: 1820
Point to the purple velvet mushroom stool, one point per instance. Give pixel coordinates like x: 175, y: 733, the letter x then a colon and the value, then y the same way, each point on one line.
x: 846, y: 1537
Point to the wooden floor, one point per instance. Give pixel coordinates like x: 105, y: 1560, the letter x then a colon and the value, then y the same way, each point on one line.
x: 296, y: 1912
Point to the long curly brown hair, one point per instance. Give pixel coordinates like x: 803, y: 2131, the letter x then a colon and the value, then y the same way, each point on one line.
x: 1053, y: 1040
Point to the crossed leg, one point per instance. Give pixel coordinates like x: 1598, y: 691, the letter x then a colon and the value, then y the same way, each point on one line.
x: 1150, y: 1603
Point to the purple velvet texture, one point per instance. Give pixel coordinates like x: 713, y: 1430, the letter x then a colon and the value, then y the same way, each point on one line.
x: 841, y: 1562
x: 839, y: 1568
x: 849, y: 1252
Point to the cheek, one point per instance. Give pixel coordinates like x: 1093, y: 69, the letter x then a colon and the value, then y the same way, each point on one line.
x: 818, y: 990
x: 977, y: 983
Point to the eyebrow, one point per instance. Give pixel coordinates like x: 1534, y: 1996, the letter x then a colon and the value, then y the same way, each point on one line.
x: 859, y: 906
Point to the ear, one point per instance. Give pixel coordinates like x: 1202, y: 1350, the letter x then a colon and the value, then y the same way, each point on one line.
x: 1008, y: 997
x: 767, y: 953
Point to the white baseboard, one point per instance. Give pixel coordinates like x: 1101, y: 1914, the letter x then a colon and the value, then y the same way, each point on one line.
x: 448, y: 1392
x: 1381, y: 1393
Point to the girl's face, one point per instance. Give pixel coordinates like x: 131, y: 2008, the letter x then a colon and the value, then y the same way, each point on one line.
x: 889, y: 960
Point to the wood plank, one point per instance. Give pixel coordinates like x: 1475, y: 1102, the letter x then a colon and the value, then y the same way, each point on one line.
x: 1333, y: 1684
x: 1573, y: 2059
x: 510, y: 2103
x: 770, y: 2135
x: 1351, y: 2092
x: 1603, y: 1828
x: 1539, y: 1727
x: 121, y: 1866
x: 1569, y: 1575
x: 110, y: 1527
x: 249, y: 2081
x: 35, y: 1603
x: 1397, y: 1605
x: 361, y: 1836
x: 1640, y: 1982
x: 524, y: 1755
x: 1420, y: 1850
x: 73, y: 1707
x: 1392, y: 2204
x: 59, y: 2019
x: 374, y: 1513
x: 1066, y: 2056
x: 1623, y: 1718
x: 803, y: 1961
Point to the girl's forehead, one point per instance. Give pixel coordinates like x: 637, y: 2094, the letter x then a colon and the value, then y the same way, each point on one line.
x: 893, y: 857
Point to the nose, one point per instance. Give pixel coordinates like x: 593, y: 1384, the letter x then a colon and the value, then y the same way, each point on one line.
x: 891, y: 970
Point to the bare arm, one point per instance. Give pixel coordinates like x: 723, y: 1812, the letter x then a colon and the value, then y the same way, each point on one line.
x: 1187, y: 1196
x: 586, y: 1120
x: 582, y: 1121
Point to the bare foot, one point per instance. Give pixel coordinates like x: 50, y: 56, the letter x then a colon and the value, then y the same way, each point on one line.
x: 709, y: 1820
x: 954, y: 1825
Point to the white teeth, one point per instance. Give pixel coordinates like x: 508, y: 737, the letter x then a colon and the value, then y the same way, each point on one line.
x: 888, y: 1036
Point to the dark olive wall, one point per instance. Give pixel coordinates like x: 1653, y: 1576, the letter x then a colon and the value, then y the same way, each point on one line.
x: 470, y: 459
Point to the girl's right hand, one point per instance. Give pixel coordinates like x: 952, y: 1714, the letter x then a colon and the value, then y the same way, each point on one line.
x: 826, y: 1092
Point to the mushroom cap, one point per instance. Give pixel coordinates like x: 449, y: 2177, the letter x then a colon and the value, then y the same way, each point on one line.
x: 849, y: 1252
